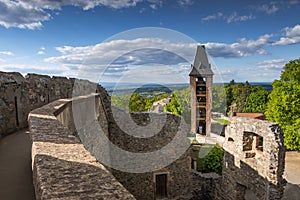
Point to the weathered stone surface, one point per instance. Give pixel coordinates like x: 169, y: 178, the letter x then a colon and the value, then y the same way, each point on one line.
x: 62, y: 167
x: 254, y: 160
x: 19, y: 95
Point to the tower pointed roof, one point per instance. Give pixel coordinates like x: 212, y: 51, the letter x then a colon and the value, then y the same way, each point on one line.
x: 201, y: 66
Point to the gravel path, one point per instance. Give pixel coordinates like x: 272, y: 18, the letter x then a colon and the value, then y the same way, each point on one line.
x: 15, y: 167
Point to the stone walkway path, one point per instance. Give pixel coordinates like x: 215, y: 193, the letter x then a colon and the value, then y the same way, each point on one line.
x: 292, y: 175
x: 15, y: 167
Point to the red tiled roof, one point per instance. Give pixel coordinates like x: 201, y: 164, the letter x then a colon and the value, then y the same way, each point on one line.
x: 251, y: 115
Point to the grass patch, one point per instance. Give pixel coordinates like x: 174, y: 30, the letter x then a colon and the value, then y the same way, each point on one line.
x: 222, y: 121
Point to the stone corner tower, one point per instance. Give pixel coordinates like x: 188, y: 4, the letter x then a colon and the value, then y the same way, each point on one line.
x: 201, y: 80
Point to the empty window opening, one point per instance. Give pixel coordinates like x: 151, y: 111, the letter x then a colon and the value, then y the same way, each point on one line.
x: 194, y: 163
x: 259, y: 143
x: 161, y: 186
x: 252, y: 143
x: 16, y: 111
x: 230, y: 139
x: 248, y: 141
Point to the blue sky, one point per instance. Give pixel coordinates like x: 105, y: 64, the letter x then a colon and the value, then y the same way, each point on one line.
x: 107, y: 41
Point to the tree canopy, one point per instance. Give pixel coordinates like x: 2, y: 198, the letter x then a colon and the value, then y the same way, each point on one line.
x: 246, y: 97
x: 284, y: 104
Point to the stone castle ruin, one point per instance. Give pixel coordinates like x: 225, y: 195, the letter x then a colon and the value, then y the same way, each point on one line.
x: 66, y: 160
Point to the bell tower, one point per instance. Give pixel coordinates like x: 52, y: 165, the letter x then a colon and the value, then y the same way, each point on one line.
x: 201, y: 80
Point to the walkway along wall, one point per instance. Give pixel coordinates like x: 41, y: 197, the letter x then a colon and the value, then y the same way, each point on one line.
x: 62, y: 167
x: 19, y: 95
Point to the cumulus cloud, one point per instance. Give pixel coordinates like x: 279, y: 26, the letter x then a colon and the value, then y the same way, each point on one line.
x: 241, y: 48
x: 6, y: 53
x: 276, y: 64
x: 21, y: 15
x: 29, y: 14
x: 116, y: 58
x: 291, y: 36
x: 135, y: 52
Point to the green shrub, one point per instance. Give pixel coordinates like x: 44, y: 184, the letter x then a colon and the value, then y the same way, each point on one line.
x: 213, y: 161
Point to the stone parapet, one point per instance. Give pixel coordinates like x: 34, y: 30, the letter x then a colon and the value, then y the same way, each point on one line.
x: 19, y: 95
x: 62, y: 167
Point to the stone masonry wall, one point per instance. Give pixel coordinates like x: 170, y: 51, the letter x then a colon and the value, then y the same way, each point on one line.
x: 205, y: 185
x: 254, y: 160
x: 62, y: 167
x: 19, y: 95
x: 165, y: 129
x: 113, y: 125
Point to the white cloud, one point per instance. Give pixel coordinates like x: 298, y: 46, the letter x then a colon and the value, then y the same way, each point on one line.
x: 234, y: 17
x: 213, y: 16
x: 137, y: 51
x: 40, y: 52
x: 293, y: 2
x: 115, y: 57
x: 24, y: 69
x: 291, y: 36
x: 6, y: 53
x: 29, y: 14
x: 21, y: 14
x: 241, y: 48
x: 269, y: 8
x: 185, y: 2
x: 276, y: 64
x: 153, y: 6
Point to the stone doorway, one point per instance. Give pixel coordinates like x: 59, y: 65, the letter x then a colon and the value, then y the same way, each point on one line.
x: 161, y: 186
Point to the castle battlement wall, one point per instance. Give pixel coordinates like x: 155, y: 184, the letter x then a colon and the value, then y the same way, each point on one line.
x: 19, y: 95
x: 62, y: 167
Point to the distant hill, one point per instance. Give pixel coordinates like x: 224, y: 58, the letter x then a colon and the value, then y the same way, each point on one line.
x: 126, y: 88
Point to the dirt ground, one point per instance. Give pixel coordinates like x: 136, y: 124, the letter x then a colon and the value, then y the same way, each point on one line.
x: 292, y: 175
x: 15, y: 167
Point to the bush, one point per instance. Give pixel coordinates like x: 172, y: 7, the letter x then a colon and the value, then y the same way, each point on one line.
x: 213, y: 161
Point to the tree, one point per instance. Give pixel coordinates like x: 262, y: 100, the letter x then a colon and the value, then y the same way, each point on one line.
x: 241, y: 95
x: 137, y: 103
x: 219, y: 99
x: 284, y: 104
x: 174, y: 106
x: 257, y: 100
x: 291, y: 71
